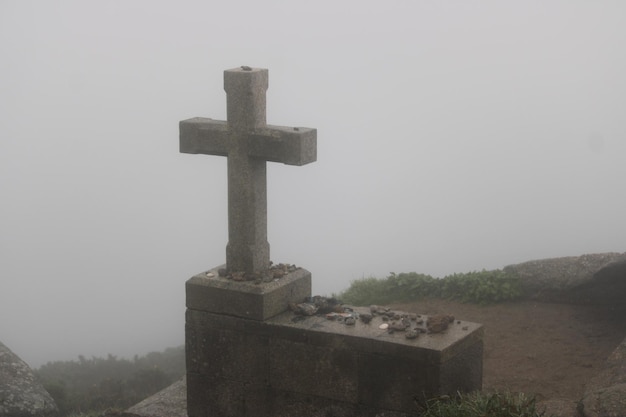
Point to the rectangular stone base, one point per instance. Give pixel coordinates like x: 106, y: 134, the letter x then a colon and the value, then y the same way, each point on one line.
x: 294, y: 365
x: 208, y: 291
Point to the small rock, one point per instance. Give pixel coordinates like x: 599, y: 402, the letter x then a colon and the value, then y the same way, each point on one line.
x: 397, y: 325
x: 365, y: 317
x: 438, y: 324
x: 238, y: 276
x: 280, y: 270
x: 383, y: 326
x: 327, y: 305
x: 411, y: 334
x: 304, y: 309
x: 350, y: 321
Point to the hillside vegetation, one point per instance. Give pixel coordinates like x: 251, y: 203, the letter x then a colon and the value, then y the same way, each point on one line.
x: 477, y: 404
x: 88, y: 386
x: 474, y: 287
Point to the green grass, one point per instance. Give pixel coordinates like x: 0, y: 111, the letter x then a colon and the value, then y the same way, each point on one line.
x: 480, y: 287
x: 482, y: 405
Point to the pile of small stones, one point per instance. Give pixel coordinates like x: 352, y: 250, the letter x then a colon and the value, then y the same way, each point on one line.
x: 319, y: 305
x: 410, y: 323
x: 273, y: 273
x: 398, y: 322
x: 330, y: 307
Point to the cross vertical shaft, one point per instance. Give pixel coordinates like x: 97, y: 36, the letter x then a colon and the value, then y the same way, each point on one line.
x: 247, y: 249
x: 248, y: 142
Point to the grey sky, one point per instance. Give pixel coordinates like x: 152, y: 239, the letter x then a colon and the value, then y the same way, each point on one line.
x: 452, y: 136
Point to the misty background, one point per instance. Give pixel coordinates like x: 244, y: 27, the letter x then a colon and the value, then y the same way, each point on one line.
x: 452, y: 136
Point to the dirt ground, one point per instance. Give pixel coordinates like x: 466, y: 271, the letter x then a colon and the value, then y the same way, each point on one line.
x: 548, y: 350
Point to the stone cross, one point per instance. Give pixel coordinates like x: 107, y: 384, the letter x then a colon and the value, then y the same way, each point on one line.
x: 248, y: 142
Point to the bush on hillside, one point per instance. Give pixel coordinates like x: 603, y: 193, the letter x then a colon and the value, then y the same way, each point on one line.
x: 88, y: 386
x: 480, y: 404
x: 482, y: 287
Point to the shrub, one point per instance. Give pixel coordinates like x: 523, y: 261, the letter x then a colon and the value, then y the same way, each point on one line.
x: 474, y: 287
x: 400, y: 287
x: 482, y: 287
x: 480, y: 404
x: 86, y: 387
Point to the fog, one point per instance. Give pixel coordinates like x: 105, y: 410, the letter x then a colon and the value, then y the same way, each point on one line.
x: 452, y: 136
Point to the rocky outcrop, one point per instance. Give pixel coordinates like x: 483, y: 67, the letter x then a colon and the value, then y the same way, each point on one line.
x: 169, y: 402
x: 589, y: 279
x: 20, y: 394
x: 605, y: 395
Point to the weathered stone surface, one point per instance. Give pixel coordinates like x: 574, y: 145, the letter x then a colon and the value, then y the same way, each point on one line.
x: 20, y: 394
x: 169, y: 402
x: 257, y: 301
x: 241, y: 367
x: 592, y: 278
x: 608, y: 286
x: 248, y: 142
x: 605, y: 394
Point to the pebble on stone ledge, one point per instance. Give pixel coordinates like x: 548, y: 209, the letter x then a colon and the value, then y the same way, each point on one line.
x: 273, y: 273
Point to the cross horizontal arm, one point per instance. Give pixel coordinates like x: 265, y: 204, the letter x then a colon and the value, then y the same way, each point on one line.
x: 205, y: 136
x: 289, y: 145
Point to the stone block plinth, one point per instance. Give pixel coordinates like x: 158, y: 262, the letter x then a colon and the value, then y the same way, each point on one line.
x: 307, y: 365
x: 257, y: 301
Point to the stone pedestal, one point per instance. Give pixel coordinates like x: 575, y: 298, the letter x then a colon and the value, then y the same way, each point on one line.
x: 211, y: 293
x: 247, y: 358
